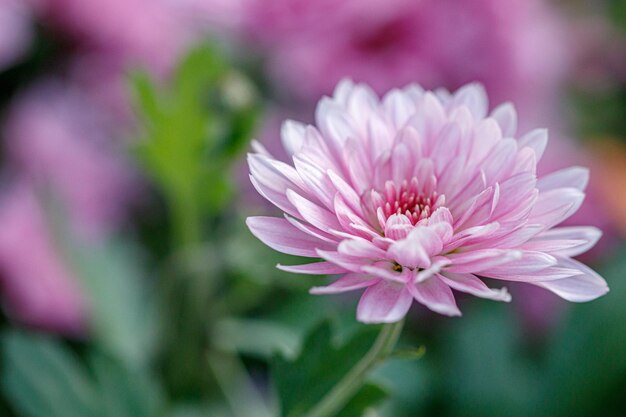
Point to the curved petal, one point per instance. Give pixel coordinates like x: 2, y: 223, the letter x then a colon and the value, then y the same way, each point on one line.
x: 348, y: 282
x: 384, y: 302
x: 316, y: 268
x: 292, y: 134
x: 572, y: 177
x: 436, y: 295
x: 471, y: 284
x: 479, y: 260
x: 554, y: 206
x: 280, y: 235
x: 417, y: 249
x: 580, y: 288
x: 565, y: 241
x: 506, y: 116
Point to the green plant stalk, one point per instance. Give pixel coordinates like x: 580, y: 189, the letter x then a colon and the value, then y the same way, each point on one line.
x: 185, y: 217
x: 340, y: 394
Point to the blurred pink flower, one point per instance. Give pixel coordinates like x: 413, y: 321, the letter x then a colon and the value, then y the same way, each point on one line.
x: 54, y: 136
x: 420, y: 193
x: 15, y: 31
x: 38, y: 288
x: 514, y: 48
x: 142, y: 32
x: 113, y: 37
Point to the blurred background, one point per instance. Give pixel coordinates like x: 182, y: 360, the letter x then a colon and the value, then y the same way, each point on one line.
x: 129, y: 285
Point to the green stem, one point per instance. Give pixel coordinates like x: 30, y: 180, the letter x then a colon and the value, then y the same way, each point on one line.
x: 338, y: 397
x: 185, y: 218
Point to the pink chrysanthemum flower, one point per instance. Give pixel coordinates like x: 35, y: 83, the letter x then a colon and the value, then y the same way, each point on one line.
x: 419, y: 193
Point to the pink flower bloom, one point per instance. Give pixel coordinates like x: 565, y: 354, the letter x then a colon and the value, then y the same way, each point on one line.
x: 38, y: 288
x: 419, y: 193
x: 56, y: 137
x: 142, y: 32
x: 514, y: 48
x: 15, y: 31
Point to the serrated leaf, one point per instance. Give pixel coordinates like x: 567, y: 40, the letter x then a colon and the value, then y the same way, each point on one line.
x: 43, y: 378
x: 301, y: 383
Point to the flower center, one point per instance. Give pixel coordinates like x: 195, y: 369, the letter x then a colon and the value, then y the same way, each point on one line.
x: 409, y: 198
x: 406, y: 199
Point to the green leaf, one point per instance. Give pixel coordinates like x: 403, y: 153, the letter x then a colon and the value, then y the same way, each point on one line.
x: 43, y: 378
x: 145, y: 95
x: 125, y: 392
x: 367, y: 397
x: 193, y: 129
x: 301, y: 383
x: 123, y: 312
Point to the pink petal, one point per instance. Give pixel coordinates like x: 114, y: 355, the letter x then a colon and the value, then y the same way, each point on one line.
x: 316, y: 268
x: 384, y: 302
x: 397, y: 227
x: 334, y: 124
x: 474, y: 97
x: 441, y: 222
x: 509, y: 238
x: 572, y: 177
x: 565, y: 241
x: 585, y: 287
x: 554, y: 206
x: 470, y: 284
x: 315, y: 180
x: 314, y: 214
x: 487, y: 135
x: 500, y: 160
x: 345, y: 191
x: 417, y: 248
x: 536, y: 139
x: 529, y: 263
x: 278, y: 234
x: 439, y: 262
x: 473, y: 234
x: 277, y: 198
x: 514, y: 190
x: 481, y: 259
x: 548, y: 274
x: 398, y: 107
x: 292, y: 134
x: 436, y: 295
x: 351, y: 263
x: 360, y: 248
x: 506, y: 116
x: 348, y: 282
x: 310, y: 230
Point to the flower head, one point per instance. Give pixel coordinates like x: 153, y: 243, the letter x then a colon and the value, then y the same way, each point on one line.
x: 420, y: 193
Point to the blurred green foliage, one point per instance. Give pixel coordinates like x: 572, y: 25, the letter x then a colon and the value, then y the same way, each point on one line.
x: 191, y: 132
x: 302, y: 382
